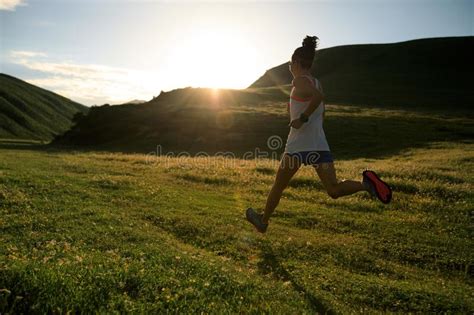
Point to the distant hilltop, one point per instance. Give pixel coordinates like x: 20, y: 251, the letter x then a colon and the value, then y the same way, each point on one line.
x: 423, y: 72
x: 135, y: 102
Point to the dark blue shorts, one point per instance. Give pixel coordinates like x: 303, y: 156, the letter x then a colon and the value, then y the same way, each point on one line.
x: 313, y: 157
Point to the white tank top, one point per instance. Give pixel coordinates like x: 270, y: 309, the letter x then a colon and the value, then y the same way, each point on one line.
x: 310, y: 137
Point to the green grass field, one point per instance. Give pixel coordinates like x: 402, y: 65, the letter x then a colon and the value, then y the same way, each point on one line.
x: 85, y: 231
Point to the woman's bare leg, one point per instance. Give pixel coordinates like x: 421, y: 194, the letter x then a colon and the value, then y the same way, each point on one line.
x: 288, y: 167
x: 334, y: 188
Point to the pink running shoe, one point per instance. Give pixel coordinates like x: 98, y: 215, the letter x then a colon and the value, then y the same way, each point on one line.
x: 381, y: 189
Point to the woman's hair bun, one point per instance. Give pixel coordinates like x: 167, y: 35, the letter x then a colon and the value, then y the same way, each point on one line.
x: 305, y: 54
x: 310, y: 42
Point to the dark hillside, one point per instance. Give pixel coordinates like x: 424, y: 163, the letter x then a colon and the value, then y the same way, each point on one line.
x: 30, y: 112
x: 432, y: 72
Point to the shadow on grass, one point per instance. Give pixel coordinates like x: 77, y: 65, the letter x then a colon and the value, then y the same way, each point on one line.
x: 271, y: 265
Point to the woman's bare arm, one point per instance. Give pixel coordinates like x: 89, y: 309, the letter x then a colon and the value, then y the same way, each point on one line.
x: 305, y: 87
x: 316, y: 96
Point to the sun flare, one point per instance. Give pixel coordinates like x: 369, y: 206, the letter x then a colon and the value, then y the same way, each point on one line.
x: 214, y: 58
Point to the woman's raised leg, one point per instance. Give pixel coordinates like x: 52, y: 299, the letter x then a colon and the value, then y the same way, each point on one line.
x: 288, y: 167
x: 334, y: 188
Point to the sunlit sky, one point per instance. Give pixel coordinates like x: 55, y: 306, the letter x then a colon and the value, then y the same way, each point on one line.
x: 113, y: 51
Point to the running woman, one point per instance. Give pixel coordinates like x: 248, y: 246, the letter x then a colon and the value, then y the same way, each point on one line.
x: 306, y: 143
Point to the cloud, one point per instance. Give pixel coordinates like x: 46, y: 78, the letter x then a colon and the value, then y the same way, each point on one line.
x: 10, y: 5
x: 87, y: 83
x: 24, y: 53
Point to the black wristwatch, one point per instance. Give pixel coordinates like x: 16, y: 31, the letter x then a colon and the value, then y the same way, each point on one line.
x: 304, y: 118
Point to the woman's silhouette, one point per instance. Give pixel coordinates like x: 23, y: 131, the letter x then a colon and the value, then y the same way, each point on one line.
x: 307, y: 144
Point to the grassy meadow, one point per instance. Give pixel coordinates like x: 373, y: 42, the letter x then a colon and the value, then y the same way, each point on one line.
x: 97, y: 231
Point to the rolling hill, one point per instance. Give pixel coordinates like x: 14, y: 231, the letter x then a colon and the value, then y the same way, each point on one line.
x: 431, y: 72
x: 30, y: 112
x: 191, y: 119
x: 199, y: 119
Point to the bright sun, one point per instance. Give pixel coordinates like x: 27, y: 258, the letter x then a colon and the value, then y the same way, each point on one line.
x: 213, y: 58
